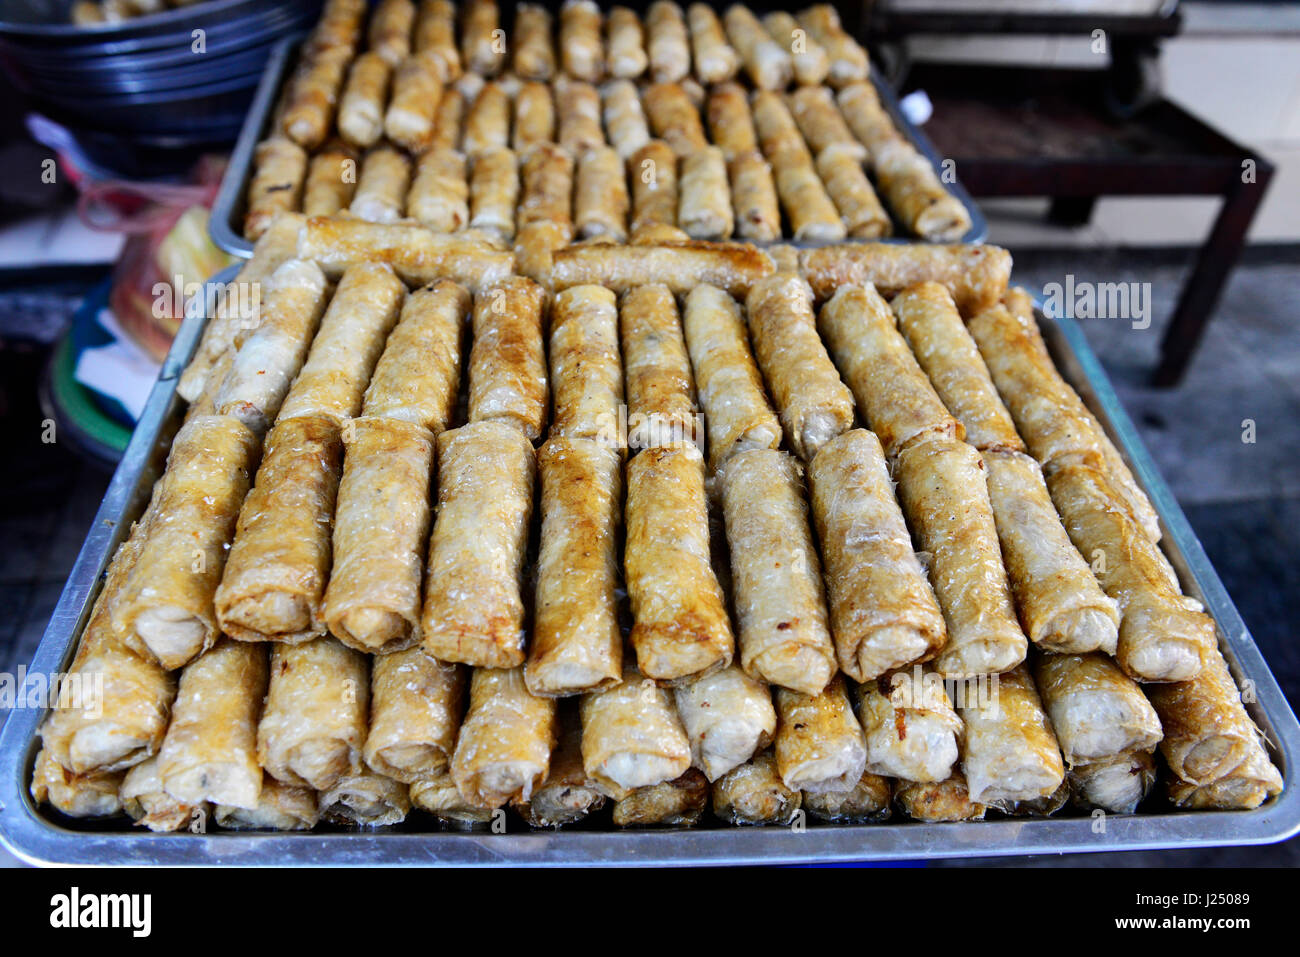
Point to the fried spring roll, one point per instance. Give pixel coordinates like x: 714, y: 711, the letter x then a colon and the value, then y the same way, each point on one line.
x: 418, y: 374
x: 507, y: 362
x: 812, y: 214
x: 947, y: 800
x: 893, y: 393
x: 577, y: 105
x: 149, y: 805
x: 715, y: 60
x: 504, y: 747
x: 438, y: 795
x: 660, y: 387
x: 809, y: 58
x: 625, y: 44
x: 867, y: 803
x: 631, y: 736
x: 435, y: 37
x: 911, y: 729
x: 848, y: 60
x: 535, y: 245
x: 730, y: 124
x: 1245, y: 787
x: 1160, y: 637
x: 942, y: 490
x: 280, y: 807
x: 585, y: 364
x: 313, y: 95
x: 365, y: 799
x: 730, y: 387
x: 653, y: 173
x: 821, y: 123
x: 1010, y: 752
x: 674, y: 118
x: 625, y: 121
x: 165, y: 609
x: 534, y: 58
x: 534, y: 116
x: 473, y: 611
x: 766, y: 61
x: 976, y: 276
x: 576, y: 644
x: 753, y: 195
x: 568, y: 794
x: 754, y: 793
x: 79, y: 795
x: 210, y: 751
x: 390, y: 29
x: 728, y: 717
x: 1097, y: 711
x: 819, y: 744
x: 916, y: 195
x: 279, y: 168
x: 776, y: 576
x: 677, y: 803
x: 361, y: 109
x: 547, y: 188
x: 447, y: 120
x: 411, y: 118
x: 680, y: 618
x: 482, y: 41
x: 331, y: 181
x: 487, y: 123
x: 1115, y: 784
x: 667, y: 42
x: 852, y: 194
x: 704, y: 210
x: 415, y: 709
x: 382, y: 184
x: 681, y: 266
x: 1060, y: 604
x: 494, y: 191
x: 439, y: 194
x: 582, y: 51
x: 600, y: 200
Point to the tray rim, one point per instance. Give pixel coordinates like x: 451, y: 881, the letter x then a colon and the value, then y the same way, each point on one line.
x: 36, y: 839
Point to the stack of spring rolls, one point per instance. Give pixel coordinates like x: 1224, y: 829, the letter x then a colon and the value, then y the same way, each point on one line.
x: 527, y: 132
x: 754, y: 541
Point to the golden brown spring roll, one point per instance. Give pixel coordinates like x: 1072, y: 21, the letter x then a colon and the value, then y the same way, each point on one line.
x: 680, y: 618
x: 942, y: 490
x: 753, y: 195
x: 934, y: 803
x: 754, y: 793
x: 473, y: 611
x: 210, y: 751
x: 631, y: 736
x: 447, y: 120
x: 912, y: 731
x: 585, y: 364
x: 867, y: 803
x: 435, y: 37
x: 280, y: 807
x: 682, y: 266
x: 848, y: 60
x: 976, y: 276
x: 582, y: 51
x: 507, y: 362
x: 365, y: 799
x: 1245, y: 787
x: 883, y: 612
x: 149, y: 805
x: 822, y: 124
x: 411, y: 118
x: 819, y: 744
x: 667, y: 42
x: 313, y: 94
x: 1116, y: 784
x: 625, y: 44
x: 382, y: 184
x: 577, y: 108
x: 600, y: 200
x: 81, y: 795
x: 660, y: 387
x: 674, y: 118
x: 704, y: 206
x: 916, y: 195
x: 314, y: 722
x: 493, y: 192
x: 893, y: 393
x: 568, y: 794
x: 849, y: 189
x: 415, y: 709
x: 534, y: 116
x: 727, y: 716
x: 439, y: 194
x: 534, y: 57
x: 547, y: 187
x: 390, y: 29
x: 677, y: 803
x: 504, y: 747
x: 279, y: 168
x: 535, y: 245
x: 165, y: 609
x: 809, y: 58
x: 730, y: 124
x: 438, y: 795
x: 730, y: 387
x: 1097, y: 711
x: 1010, y: 752
x: 576, y: 643
x: 776, y: 575
x: 331, y: 181
x: 487, y: 122
x: 625, y: 121
x: 275, y: 575
x: 1060, y: 604
x: 815, y: 405
x: 715, y: 60
x: 361, y: 109
x: 482, y: 41
x: 766, y: 61
x: 1160, y: 637
x: 653, y: 174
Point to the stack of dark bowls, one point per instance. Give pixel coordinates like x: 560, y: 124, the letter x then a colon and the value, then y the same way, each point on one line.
x: 135, y: 90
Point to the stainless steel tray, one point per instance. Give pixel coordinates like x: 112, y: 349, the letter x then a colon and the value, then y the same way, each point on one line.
x: 226, y: 223
x: 39, y: 835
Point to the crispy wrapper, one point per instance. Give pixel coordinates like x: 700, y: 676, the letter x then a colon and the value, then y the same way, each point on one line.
x: 1160, y: 637
x: 822, y: 124
x: 766, y: 61
x: 77, y: 795
x: 382, y: 184
x: 870, y: 122
x: 1038, y: 807
x: 507, y: 362
x: 439, y: 195
x: 852, y: 193
x: 416, y: 704
x: 482, y: 41
x: 754, y: 793
x: 447, y: 120
x: 494, y: 192
x: 819, y: 744
x: 1010, y: 752
x: 655, y: 234
x: 883, y: 612
x: 704, y: 205
x: 715, y: 60
x: 534, y: 57
x: 438, y: 796
x: 680, y: 617
x: 730, y: 125
x: 504, y: 747
x: 1116, y: 784
x: 313, y: 94
x: 417, y: 254
x: 975, y: 275
x: 667, y: 42
x: 473, y: 611
x: 279, y: 168
x: 210, y: 751
x: 600, y: 199
x: 365, y: 799
x: 1096, y: 709
x: 576, y: 644
x: 774, y: 124
x: 535, y: 245
x: 1207, y: 731
x: 487, y: 122
x: 945, y: 498
x: 848, y: 60
x: 947, y: 800
x: 381, y: 524
x: 811, y: 212
x: 660, y: 386
x: 412, y: 114
x: 418, y: 374
x: 547, y: 187
x: 577, y: 107
x: 781, y: 614
x: 331, y: 182
x: 1245, y: 787
x: 275, y: 575
x: 911, y: 729
x: 681, y: 266
x: 534, y: 116
x: 730, y: 387
x: 625, y: 121
x: 674, y: 118
x: 728, y: 716
x: 585, y: 364
x: 435, y: 37
x: 1060, y: 604
x: 677, y: 803
x: 582, y: 51
x: 625, y: 56
x: 917, y: 197
x: 810, y: 60
x: 165, y: 610
x: 653, y: 173
x: 867, y: 803
x: 390, y: 29
x: 631, y: 736
x: 280, y: 807
x: 361, y: 109
x: 815, y: 405
x: 568, y: 794
x: 753, y: 195
x: 143, y: 798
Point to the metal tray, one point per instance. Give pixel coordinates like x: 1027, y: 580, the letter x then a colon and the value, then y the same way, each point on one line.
x: 42, y: 836
x: 226, y: 224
